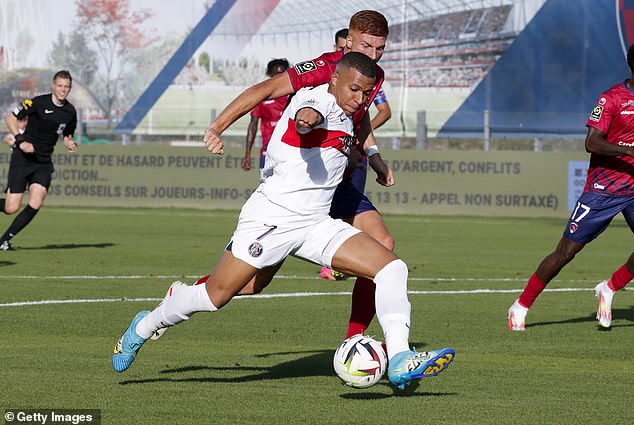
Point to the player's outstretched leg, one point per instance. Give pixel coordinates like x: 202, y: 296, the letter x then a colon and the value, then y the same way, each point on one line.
x: 406, y: 366
x: 393, y: 312
x: 128, y: 345
x: 175, y: 286
x: 605, y: 295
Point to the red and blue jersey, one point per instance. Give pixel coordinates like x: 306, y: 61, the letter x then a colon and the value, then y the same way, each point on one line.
x: 614, y: 116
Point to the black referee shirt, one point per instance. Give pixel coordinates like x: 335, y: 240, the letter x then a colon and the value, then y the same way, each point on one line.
x: 46, y: 123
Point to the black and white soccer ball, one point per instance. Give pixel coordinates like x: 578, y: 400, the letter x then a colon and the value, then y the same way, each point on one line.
x: 360, y: 361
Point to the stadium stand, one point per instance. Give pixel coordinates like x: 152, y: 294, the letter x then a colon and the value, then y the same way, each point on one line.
x: 450, y: 50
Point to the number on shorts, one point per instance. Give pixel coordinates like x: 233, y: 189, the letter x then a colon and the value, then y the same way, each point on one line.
x: 268, y: 232
x: 586, y: 210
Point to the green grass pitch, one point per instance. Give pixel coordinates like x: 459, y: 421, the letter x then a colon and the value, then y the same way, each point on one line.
x: 268, y: 360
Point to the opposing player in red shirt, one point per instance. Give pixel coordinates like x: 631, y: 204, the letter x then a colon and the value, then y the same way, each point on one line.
x: 267, y: 113
x: 349, y: 200
x: 609, y: 190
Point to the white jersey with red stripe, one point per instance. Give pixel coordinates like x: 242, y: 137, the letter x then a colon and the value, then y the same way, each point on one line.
x: 302, y: 170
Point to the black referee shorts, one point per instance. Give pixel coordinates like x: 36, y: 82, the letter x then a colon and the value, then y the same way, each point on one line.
x: 24, y: 172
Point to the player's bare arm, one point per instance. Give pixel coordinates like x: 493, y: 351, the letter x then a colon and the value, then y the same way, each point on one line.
x: 8, y: 139
x: 596, y: 142
x: 70, y: 144
x: 384, y: 113
x: 306, y: 119
x: 252, y: 129
x: 12, y: 122
x: 275, y: 87
x: 384, y: 174
x: 15, y: 127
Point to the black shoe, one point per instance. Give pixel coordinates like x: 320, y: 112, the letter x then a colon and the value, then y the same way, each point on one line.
x: 6, y: 246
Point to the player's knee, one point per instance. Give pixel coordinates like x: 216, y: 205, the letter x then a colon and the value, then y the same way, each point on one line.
x: 395, y: 268
x: 11, y: 209
x: 388, y: 241
x: 384, y: 238
x: 250, y: 289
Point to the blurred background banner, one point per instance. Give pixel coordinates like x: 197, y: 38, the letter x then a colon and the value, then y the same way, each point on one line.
x: 449, y: 182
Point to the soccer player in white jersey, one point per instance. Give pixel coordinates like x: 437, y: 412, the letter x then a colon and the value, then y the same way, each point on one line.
x: 288, y: 215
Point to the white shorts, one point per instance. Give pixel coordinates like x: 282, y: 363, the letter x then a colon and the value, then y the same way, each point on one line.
x: 268, y: 233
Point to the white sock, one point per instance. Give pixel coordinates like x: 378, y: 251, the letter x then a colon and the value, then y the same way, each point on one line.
x: 392, y: 306
x: 179, y: 307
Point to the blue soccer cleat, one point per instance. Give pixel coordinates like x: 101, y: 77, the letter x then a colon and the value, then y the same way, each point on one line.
x: 130, y: 343
x: 406, y: 366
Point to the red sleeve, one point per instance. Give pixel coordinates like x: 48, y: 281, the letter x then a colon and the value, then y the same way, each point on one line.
x: 602, y: 114
x: 314, y: 72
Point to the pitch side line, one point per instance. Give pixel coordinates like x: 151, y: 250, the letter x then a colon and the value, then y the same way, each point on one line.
x: 286, y: 295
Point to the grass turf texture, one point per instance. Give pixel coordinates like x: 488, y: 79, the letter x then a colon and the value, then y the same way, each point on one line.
x: 268, y: 360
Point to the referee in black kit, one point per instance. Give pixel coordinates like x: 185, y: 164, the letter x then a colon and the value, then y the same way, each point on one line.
x: 47, y: 117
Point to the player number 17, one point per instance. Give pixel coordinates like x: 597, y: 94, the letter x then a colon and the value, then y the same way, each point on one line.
x: 586, y: 210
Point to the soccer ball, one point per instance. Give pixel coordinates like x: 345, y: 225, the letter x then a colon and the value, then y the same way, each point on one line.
x: 360, y: 361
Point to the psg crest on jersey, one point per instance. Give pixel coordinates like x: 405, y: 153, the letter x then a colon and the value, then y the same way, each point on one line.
x: 625, y: 23
x: 255, y: 249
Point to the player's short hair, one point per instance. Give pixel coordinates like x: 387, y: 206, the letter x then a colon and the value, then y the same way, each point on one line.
x: 276, y: 63
x: 357, y: 61
x: 630, y: 58
x: 369, y: 22
x: 342, y: 33
x: 63, y: 74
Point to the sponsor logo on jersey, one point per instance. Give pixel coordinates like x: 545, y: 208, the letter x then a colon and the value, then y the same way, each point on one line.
x: 603, y: 100
x: 304, y: 67
x: 320, y: 62
x: 48, y: 111
x: 598, y: 186
x: 596, y: 113
x: 628, y: 112
x: 255, y: 249
x: 630, y: 144
x: 628, y: 103
x: 347, y: 142
x: 573, y: 227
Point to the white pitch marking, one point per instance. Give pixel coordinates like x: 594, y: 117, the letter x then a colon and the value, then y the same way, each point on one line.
x: 283, y: 295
